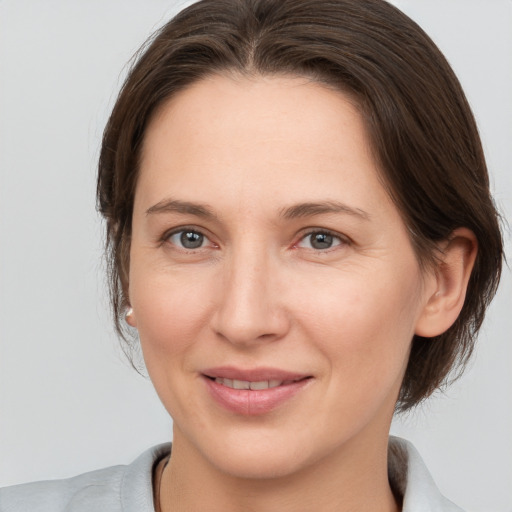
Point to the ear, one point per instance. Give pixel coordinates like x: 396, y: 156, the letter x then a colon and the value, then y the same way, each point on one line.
x: 448, y: 283
x: 130, y: 317
x: 123, y: 272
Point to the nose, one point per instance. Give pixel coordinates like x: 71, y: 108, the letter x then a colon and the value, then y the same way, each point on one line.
x: 249, y: 308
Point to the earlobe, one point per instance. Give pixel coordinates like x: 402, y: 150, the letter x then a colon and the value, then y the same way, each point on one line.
x: 129, y: 317
x: 450, y: 281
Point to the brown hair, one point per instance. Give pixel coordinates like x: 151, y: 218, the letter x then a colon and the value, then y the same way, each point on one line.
x: 421, y: 127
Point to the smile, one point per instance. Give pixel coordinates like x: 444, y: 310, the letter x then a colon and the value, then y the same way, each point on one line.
x: 253, y: 392
x: 254, y: 385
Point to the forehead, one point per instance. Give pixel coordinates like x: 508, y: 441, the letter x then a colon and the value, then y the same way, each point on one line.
x: 258, y: 137
x: 286, y: 107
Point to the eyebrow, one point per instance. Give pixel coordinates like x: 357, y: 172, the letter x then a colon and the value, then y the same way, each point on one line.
x: 184, y: 207
x: 291, y: 212
x: 311, y: 209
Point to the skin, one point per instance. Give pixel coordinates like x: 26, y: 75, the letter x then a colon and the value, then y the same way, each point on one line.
x: 257, y: 292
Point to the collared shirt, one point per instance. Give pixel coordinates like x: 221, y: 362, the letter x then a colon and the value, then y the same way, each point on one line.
x: 130, y: 488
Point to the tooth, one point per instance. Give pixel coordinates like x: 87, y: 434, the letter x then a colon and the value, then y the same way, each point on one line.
x: 224, y: 382
x: 263, y: 384
x: 240, y: 384
x: 256, y: 385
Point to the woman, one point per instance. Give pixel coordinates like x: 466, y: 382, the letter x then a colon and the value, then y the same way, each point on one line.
x: 301, y: 232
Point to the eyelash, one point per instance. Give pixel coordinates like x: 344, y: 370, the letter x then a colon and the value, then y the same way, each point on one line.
x: 184, y: 229
x: 342, y: 240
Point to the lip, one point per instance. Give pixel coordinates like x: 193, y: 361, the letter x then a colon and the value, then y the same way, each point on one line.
x: 252, y: 374
x: 253, y: 402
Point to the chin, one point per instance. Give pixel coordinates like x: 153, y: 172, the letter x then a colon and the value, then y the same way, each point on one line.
x: 262, y: 455
x: 261, y: 466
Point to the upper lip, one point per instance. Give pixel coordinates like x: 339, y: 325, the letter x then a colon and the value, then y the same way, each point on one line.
x: 252, y: 374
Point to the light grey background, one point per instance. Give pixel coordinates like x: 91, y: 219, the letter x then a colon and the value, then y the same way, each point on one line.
x: 69, y: 402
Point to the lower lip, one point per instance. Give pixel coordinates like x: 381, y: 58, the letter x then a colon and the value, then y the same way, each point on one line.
x: 249, y: 402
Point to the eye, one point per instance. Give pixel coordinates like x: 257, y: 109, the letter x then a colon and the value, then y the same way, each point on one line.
x: 320, y: 240
x: 188, y: 239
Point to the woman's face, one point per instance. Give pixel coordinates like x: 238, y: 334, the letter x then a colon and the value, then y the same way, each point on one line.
x: 267, y: 255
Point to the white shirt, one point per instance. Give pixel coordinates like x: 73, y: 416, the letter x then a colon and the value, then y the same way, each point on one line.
x: 130, y: 488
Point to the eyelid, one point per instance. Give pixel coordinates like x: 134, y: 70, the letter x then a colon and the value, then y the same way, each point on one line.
x: 344, y: 239
x: 179, y: 229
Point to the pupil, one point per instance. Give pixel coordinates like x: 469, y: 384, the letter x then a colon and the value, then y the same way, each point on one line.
x: 321, y: 241
x: 191, y: 240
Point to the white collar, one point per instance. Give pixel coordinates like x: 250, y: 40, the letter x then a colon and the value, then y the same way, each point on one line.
x: 411, y: 478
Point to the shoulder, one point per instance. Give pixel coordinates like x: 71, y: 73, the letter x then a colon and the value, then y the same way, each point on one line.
x: 118, y: 488
x: 410, y: 477
x: 98, y: 487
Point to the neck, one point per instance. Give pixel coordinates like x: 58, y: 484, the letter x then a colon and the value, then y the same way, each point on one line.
x: 356, y: 478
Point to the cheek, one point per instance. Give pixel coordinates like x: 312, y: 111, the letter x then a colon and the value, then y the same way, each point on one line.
x: 363, y: 323
x: 171, y: 311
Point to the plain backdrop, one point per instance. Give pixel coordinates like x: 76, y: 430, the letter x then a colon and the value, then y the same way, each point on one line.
x: 69, y: 401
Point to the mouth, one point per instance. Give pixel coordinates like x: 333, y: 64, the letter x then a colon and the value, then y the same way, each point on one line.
x: 254, y: 379
x: 253, y: 392
x: 254, y: 385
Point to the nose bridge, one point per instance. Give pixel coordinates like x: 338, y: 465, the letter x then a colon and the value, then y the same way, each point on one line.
x: 249, y: 309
